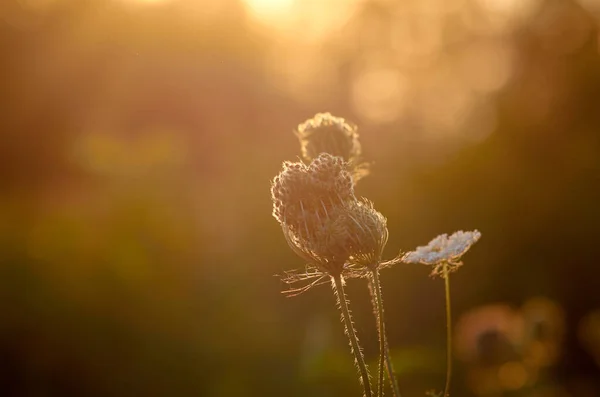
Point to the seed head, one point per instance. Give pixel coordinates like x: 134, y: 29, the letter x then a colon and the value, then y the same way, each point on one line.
x: 307, y: 202
x: 301, y: 193
x: 325, y: 133
x: 359, y: 232
x: 352, y: 233
x: 316, y: 245
x: 290, y: 183
x: 368, y: 233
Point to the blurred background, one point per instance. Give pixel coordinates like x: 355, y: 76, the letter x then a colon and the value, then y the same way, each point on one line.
x: 138, y: 141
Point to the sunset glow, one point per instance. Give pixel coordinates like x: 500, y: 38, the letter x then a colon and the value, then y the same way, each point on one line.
x: 269, y: 11
x: 145, y: 2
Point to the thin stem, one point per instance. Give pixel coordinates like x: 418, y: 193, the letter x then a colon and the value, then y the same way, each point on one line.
x: 448, y: 332
x: 355, y: 346
x: 384, y: 351
x: 381, y: 331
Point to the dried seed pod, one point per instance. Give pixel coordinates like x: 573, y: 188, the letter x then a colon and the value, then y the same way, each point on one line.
x: 306, y: 202
x: 289, y: 184
x: 365, y: 233
x: 316, y: 247
x: 301, y: 193
x: 325, y: 133
x: 352, y: 233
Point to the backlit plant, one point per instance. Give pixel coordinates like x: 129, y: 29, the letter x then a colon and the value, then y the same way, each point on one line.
x: 341, y: 236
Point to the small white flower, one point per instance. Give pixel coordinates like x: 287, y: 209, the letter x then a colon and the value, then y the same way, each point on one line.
x: 443, y: 250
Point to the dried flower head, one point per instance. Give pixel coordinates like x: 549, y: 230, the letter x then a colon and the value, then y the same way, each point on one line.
x: 325, y: 133
x: 364, y: 231
x: 304, y: 201
x: 316, y: 250
x: 349, y: 241
x: 301, y: 191
x: 289, y: 183
x: 443, y: 250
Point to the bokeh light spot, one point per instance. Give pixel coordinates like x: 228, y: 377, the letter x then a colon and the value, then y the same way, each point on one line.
x: 486, y: 67
x: 500, y: 17
x: 379, y: 94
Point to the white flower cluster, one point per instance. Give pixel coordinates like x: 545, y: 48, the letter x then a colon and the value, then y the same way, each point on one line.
x: 443, y: 249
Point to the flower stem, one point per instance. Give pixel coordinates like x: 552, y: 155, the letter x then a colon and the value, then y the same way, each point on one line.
x: 384, y: 351
x: 349, y: 326
x: 448, y: 331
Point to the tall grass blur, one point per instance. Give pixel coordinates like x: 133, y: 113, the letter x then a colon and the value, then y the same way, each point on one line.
x: 138, y: 140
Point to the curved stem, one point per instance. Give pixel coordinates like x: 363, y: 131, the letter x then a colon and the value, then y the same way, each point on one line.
x: 448, y: 332
x: 384, y: 351
x: 349, y: 326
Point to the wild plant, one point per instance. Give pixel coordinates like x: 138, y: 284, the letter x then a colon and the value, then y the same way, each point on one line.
x: 342, y: 236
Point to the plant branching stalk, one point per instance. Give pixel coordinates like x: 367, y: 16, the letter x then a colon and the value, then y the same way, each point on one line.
x: 348, y: 324
x: 384, y: 351
x: 448, y: 331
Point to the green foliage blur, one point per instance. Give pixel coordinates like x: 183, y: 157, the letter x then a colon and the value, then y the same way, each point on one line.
x: 138, y: 250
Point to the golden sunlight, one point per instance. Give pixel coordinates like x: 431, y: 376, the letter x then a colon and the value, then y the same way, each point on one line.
x: 145, y: 2
x: 268, y: 11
